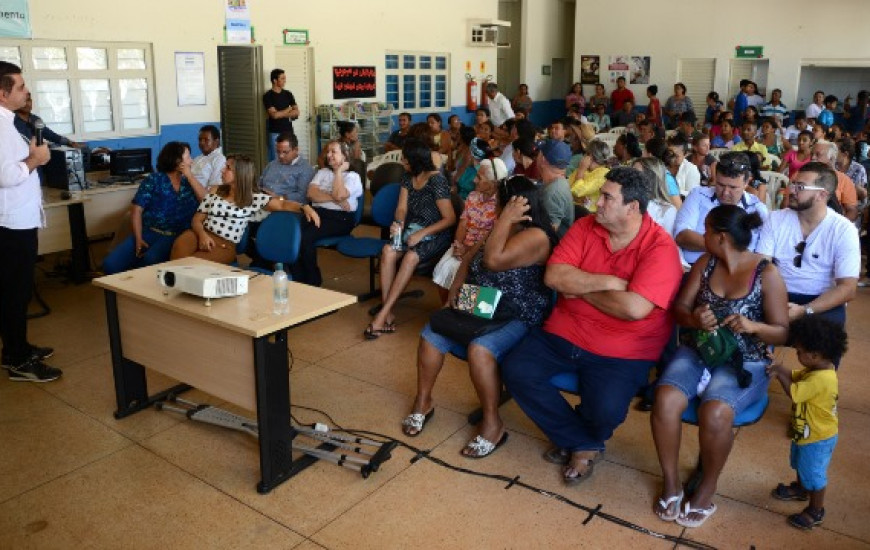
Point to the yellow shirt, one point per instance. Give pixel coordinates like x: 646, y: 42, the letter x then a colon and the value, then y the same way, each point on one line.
x: 757, y: 147
x: 588, y: 187
x: 814, y: 393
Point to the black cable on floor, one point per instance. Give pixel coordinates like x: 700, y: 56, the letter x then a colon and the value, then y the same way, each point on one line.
x: 511, y: 482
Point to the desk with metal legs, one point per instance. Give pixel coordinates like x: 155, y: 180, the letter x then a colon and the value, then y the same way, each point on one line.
x: 235, y: 349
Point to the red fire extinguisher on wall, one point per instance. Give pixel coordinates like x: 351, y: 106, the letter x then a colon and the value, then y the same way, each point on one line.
x: 484, y: 99
x: 470, y: 93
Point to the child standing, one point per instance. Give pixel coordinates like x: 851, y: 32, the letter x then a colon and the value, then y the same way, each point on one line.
x: 814, y: 422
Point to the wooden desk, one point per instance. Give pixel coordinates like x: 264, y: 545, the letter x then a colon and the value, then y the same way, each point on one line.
x: 65, y: 229
x: 71, y: 222
x: 236, y: 350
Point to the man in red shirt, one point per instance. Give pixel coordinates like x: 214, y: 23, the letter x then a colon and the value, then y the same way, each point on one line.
x: 620, y: 95
x: 617, y: 273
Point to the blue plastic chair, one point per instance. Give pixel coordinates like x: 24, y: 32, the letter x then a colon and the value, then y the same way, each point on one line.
x: 278, y: 240
x: 383, y: 211
x: 333, y: 242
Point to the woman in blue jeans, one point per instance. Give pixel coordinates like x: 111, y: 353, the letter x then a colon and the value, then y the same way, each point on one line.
x: 162, y: 209
x: 512, y: 259
x: 729, y: 288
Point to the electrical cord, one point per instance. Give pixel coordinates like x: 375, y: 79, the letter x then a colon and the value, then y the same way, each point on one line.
x: 511, y: 482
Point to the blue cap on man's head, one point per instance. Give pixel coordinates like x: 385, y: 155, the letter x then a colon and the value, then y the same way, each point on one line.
x: 557, y: 153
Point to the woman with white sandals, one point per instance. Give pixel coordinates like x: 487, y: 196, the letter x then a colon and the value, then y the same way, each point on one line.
x: 731, y: 293
x: 512, y: 259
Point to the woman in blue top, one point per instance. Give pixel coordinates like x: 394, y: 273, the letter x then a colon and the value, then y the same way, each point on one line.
x: 162, y: 209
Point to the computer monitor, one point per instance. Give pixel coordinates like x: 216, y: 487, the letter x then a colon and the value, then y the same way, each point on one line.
x: 130, y: 162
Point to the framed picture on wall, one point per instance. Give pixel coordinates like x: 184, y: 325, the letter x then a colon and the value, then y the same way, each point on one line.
x: 590, y: 69
x: 638, y: 67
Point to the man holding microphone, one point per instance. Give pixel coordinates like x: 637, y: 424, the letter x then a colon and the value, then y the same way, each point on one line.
x: 20, y: 218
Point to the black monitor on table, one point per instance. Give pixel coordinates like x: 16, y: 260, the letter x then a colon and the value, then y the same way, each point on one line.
x: 130, y: 162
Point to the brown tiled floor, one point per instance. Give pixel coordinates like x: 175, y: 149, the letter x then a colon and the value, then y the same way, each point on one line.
x: 71, y: 476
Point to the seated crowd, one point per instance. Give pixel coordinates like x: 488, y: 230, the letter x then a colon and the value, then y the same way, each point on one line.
x: 614, y: 255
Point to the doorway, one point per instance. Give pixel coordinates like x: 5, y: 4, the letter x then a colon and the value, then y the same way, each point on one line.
x: 298, y: 65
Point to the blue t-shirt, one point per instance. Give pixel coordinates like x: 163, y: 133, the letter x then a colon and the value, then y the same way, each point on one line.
x: 826, y: 117
x: 163, y: 208
x: 673, y: 188
x: 741, y: 102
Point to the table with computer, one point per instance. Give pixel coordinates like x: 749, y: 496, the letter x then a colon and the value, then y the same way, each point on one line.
x: 81, y: 204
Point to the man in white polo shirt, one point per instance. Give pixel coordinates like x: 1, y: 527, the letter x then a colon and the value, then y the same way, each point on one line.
x: 816, y: 249
x: 208, y: 166
x: 21, y: 217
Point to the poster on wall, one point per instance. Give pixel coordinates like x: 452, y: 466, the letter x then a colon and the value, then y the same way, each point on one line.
x: 238, y: 22
x: 590, y: 66
x: 639, y: 68
x: 190, y: 78
x: 353, y: 82
x: 617, y: 67
x: 14, y: 19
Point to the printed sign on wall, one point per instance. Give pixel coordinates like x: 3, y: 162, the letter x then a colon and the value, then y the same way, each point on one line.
x: 14, y: 19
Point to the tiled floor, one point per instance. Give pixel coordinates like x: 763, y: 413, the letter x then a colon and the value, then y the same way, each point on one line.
x: 71, y: 476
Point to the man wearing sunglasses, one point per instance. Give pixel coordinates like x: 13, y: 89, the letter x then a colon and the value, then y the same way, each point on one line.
x: 816, y: 249
x: 733, y: 174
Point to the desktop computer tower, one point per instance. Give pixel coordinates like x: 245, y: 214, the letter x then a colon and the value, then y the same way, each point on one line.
x: 65, y: 170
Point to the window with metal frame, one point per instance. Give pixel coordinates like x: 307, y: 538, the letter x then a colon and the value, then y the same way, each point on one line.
x: 417, y: 82
x: 88, y: 90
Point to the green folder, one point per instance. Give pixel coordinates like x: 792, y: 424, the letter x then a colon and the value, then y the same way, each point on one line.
x: 478, y: 300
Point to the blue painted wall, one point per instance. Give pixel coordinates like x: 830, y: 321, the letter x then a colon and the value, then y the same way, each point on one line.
x: 170, y: 132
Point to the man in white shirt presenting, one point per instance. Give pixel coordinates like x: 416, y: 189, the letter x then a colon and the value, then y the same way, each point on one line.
x: 816, y: 249
x: 20, y: 218
x: 499, y: 106
x: 207, y: 167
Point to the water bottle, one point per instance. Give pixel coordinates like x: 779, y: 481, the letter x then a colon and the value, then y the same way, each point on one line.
x: 280, y: 302
x: 397, y: 239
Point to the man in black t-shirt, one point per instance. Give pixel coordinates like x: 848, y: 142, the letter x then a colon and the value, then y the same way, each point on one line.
x: 281, y: 109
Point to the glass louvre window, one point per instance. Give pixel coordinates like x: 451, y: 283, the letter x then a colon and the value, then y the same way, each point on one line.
x: 89, y: 90
x: 417, y: 82
x: 92, y: 59
x: 96, y: 105
x: 51, y: 101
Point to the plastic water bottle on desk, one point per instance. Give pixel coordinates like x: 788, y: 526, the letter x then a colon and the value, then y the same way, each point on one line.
x: 280, y: 284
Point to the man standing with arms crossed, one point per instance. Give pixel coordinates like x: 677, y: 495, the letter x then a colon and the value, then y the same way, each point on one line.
x: 20, y: 218
x: 280, y: 107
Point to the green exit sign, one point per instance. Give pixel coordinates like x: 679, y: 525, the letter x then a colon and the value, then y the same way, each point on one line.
x: 754, y: 52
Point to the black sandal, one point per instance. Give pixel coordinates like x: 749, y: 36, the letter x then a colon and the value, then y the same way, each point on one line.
x: 371, y: 333
x: 801, y: 522
x: 789, y: 492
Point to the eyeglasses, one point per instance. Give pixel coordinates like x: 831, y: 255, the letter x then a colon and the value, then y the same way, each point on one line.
x: 733, y: 166
x: 803, y: 187
x: 799, y: 248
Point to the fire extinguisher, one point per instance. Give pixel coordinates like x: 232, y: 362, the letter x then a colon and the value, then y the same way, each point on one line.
x: 470, y: 93
x: 484, y: 99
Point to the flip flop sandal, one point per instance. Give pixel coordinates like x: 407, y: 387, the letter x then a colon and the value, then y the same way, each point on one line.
x: 581, y: 476
x: 801, y: 522
x: 789, y: 492
x: 480, y: 447
x: 664, y: 505
x: 389, y: 328
x: 704, y: 513
x: 416, y: 422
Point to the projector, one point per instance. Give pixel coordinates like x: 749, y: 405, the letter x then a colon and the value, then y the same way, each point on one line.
x: 204, y: 281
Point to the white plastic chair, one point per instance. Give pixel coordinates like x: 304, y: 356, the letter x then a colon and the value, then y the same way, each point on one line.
x: 391, y: 156
x: 775, y: 182
x: 717, y: 152
x: 608, y: 138
x: 618, y: 130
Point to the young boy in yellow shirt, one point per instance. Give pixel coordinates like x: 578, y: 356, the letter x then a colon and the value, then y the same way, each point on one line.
x: 813, y: 390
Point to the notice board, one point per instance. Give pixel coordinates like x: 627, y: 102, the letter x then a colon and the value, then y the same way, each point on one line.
x: 352, y: 82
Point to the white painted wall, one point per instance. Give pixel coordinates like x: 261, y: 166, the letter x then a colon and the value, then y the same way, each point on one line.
x: 789, y: 31
x: 543, y: 38
x: 342, y: 32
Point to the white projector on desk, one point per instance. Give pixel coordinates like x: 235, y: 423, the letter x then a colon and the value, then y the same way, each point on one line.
x: 207, y: 282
